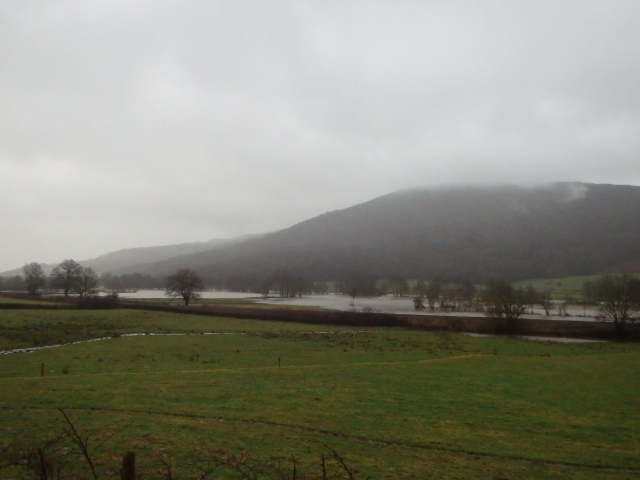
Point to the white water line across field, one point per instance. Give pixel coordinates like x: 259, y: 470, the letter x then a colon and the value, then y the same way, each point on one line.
x: 33, y: 349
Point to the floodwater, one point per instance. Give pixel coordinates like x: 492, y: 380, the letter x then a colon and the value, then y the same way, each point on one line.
x: 382, y: 304
x: 537, y: 339
x: 208, y: 294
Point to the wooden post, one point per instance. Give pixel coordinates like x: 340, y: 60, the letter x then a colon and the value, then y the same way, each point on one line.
x: 278, y: 361
x: 128, y: 466
x: 42, y: 370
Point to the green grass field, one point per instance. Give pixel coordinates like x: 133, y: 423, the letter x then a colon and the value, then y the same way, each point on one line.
x: 4, y: 299
x: 393, y: 403
x: 561, y: 288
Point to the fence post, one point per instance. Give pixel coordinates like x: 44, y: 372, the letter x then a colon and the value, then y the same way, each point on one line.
x: 128, y: 466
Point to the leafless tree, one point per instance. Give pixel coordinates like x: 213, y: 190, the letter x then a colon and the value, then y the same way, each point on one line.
x: 530, y: 296
x: 87, y: 283
x: 590, y: 292
x: 184, y: 283
x: 544, y: 300
x: 434, y: 288
x: 360, y: 285
x: 619, y: 298
x: 34, y: 277
x: 505, y: 301
x: 320, y: 287
x: 418, y: 303
x: 399, y: 286
x: 420, y: 288
x: 66, y: 275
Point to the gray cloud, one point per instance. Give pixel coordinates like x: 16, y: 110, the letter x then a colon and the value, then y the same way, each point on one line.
x: 150, y: 122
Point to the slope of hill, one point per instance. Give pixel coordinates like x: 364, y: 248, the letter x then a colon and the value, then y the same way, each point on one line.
x: 132, y: 259
x: 477, y: 233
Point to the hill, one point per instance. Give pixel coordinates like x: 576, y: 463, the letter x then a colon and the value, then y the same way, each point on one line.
x: 131, y: 260
x: 508, y: 232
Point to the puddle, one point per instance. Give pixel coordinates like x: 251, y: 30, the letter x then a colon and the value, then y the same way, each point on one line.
x: 537, y: 339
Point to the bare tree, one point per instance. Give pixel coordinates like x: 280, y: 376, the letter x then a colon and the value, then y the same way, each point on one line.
x: 34, y: 277
x: 287, y: 284
x: 505, y: 301
x: 420, y: 288
x: 12, y: 284
x: 87, y: 283
x: 531, y: 296
x: 399, y: 286
x: 544, y: 300
x: 619, y: 298
x: 360, y: 285
x: 434, y: 288
x: 418, y: 302
x: 590, y: 292
x: 320, y: 287
x: 66, y: 275
x: 184, y: 283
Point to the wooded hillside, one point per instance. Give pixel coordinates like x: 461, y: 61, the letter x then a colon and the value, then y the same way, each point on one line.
x: 477, y: 233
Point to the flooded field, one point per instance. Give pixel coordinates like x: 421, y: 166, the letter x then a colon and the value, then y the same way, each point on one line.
x: 151, y: 294
x: 382, y: 304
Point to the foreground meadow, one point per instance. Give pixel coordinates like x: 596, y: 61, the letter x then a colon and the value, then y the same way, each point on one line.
x: 392, y: 403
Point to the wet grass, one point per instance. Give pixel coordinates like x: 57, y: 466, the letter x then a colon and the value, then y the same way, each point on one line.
x: 35, y: 328
x: 561, y: 288
x: 221, y: 302
x: 28, y: 301
x: 395, y: 403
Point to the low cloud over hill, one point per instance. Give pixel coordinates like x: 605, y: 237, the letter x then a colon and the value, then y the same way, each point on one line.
x: 478, y: 233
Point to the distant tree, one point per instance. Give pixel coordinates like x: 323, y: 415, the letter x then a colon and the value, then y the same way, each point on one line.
x: 12, y: 284
x: 184, y: 283
x: 87, y: 283
x: 265, y: 286
x: 448, y: 297
x: 399, y: 286
x: 420, y: 288
x: 129, y: 281
x: 288, y: 285
x: 360, y: 285
x: 590, y: 292
x: 34, y: 277
x: 418, y: 303
x: 434, y: 287
x: 505, y: 301
x: 111, y: 282
x: 530, y: 296
x: 239, y: 283
x: 544, y: 300
x: 320, y: 287
x: 466, y: 292
x: 66, y: 275
x: 619, y: 298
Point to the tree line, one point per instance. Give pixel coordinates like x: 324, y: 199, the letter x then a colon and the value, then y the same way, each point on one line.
x: 70, y: 277
x: 616, y: 295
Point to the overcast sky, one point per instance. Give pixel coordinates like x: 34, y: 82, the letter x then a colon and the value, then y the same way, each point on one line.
x: 129, y: 123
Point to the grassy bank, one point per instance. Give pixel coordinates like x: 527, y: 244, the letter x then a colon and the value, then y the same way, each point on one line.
x: 394, y: 403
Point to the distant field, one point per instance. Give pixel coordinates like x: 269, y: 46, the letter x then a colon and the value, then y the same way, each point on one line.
x: 561, y: 287
x: 394, y: 403
x: 4, y: 299
x: 230, y: 302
